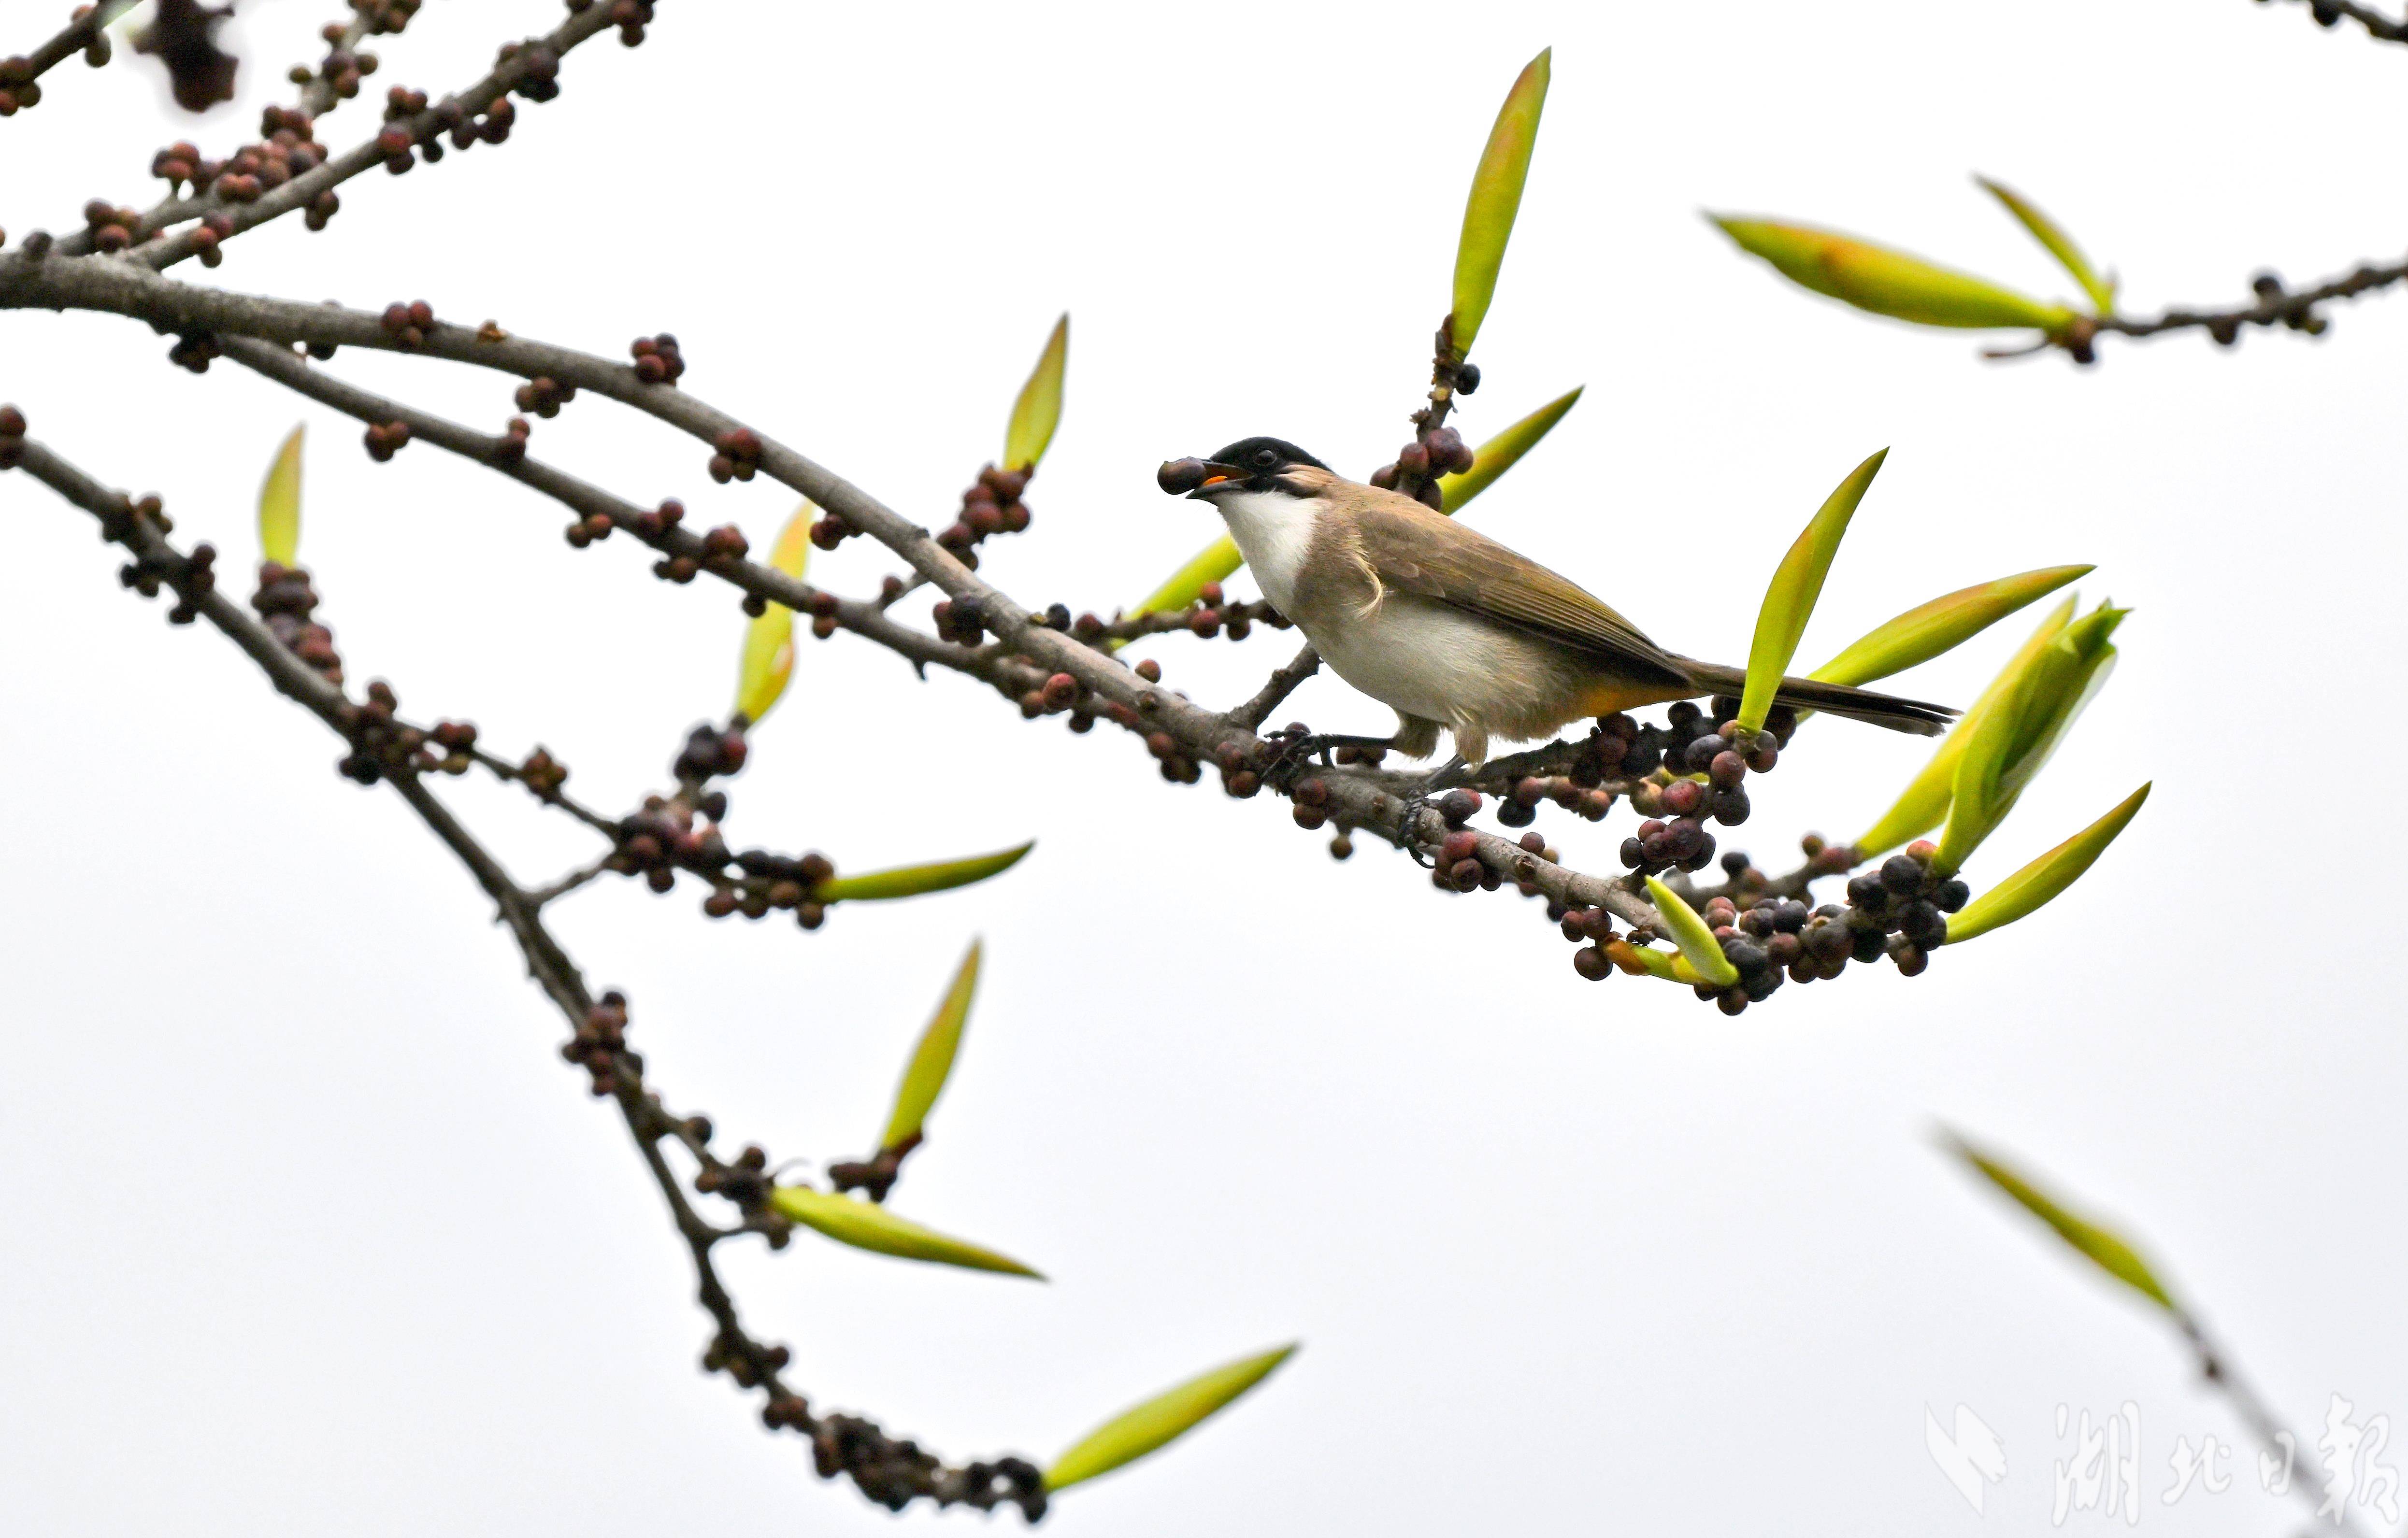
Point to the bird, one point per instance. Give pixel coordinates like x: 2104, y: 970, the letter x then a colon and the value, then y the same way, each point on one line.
x: 1450, y: 628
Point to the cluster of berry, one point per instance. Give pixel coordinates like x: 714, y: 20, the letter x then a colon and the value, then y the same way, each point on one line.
x: 285, y: 602
x: 600, y: 1046
x: 991, y: 507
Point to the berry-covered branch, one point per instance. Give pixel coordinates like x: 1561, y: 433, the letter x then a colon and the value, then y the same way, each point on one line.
x: 2294, y: 309
x: 1889, y: 282
x: 287, y: 169
x: 890, y: 1470
x: 85, y: 33
x: 1045, y: 668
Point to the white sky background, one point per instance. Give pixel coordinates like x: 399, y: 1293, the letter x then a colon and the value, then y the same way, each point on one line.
x: 310, y: 1230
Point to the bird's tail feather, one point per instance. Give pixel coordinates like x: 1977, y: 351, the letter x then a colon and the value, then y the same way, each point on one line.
x: 1862, y: 704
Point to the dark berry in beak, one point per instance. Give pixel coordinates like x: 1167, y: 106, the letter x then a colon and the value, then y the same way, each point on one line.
x: 1180, y: 477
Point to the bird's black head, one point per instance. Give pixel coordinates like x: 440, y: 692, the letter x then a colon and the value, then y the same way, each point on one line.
x: 1250, y: 465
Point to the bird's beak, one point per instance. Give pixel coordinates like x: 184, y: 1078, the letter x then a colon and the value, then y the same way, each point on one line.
x: 1193, y: 477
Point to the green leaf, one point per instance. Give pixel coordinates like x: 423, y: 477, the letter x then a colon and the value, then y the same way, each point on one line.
x: 1219, y: 561
x: 2101, y: 1247
x: 1686, y: 929
x: 1887, y: 282
x: 1504, y: 452
x: 1925, y: 801
x: 1141, y: 1429
x: 1495, y: 198
x: 2060, y: 245
x: 912, y: 880
x: 2021, y: 728
x: 932, y: 1060
x: 2045, y: 877
x: 1216, y: 563
x: 1039, y: 410
x: 865, y: 1225
x: 279, y: 504
x: 767, y: 661
x: 1921, y: 634
x: 1797, y: 583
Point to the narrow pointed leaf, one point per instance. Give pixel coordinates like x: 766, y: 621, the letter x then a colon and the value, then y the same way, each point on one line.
x: 1887, y: 282
x: 912, y: 880
x: 279, y: 504
x: 2020, y: 729
x: 1141, y: 1429
x: 1495, y: 198
x: 1216, y: 563
x: 1501, y: 452
x: 2057, y: 243
x: 2044, y: 878
x: 2101, y: 1245
x: 1797, y: 583
x: 932, y: 1060
x: 1686, y: 929
x: 1039, y: 410
x: 1924, y: 802
x: 767, y: 662
x: 1921, y: 634
x: 865, y: 1225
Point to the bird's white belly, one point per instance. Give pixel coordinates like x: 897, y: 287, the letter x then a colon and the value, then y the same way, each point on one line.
x: 1426, y: 660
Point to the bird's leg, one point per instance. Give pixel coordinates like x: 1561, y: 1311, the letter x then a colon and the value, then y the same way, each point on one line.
x: 1297, y: 745
x: 1446, y: 776
x: 1424, y: 798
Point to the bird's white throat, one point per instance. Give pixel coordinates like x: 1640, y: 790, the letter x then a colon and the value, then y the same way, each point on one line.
x: 1273, y: 531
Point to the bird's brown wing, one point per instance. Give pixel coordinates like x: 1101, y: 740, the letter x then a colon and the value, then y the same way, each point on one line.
x: 1418, y: 552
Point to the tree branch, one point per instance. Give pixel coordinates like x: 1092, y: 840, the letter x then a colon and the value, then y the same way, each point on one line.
x: 1180, y: 733
x: 83, y: 34
x: 888, y: 1471
x: 2216, y: 1367
x: 507, y: 455
x: 532, y: 64
x: 2275, y: 306
x: 1275, y: 691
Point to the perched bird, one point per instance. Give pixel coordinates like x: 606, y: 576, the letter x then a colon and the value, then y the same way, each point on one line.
x: 1446, y: 626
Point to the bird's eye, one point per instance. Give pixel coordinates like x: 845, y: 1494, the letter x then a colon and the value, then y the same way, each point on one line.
x: 1266, y: 459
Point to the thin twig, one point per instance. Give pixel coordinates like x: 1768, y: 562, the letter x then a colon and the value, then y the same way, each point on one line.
x: 2274, y: 308
x: 1274, y: 692
x: 569, y: 883
x: 1233, y: 614
x: 2216, y: 1368
x: 165, y: 250
x: 74, y: 38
